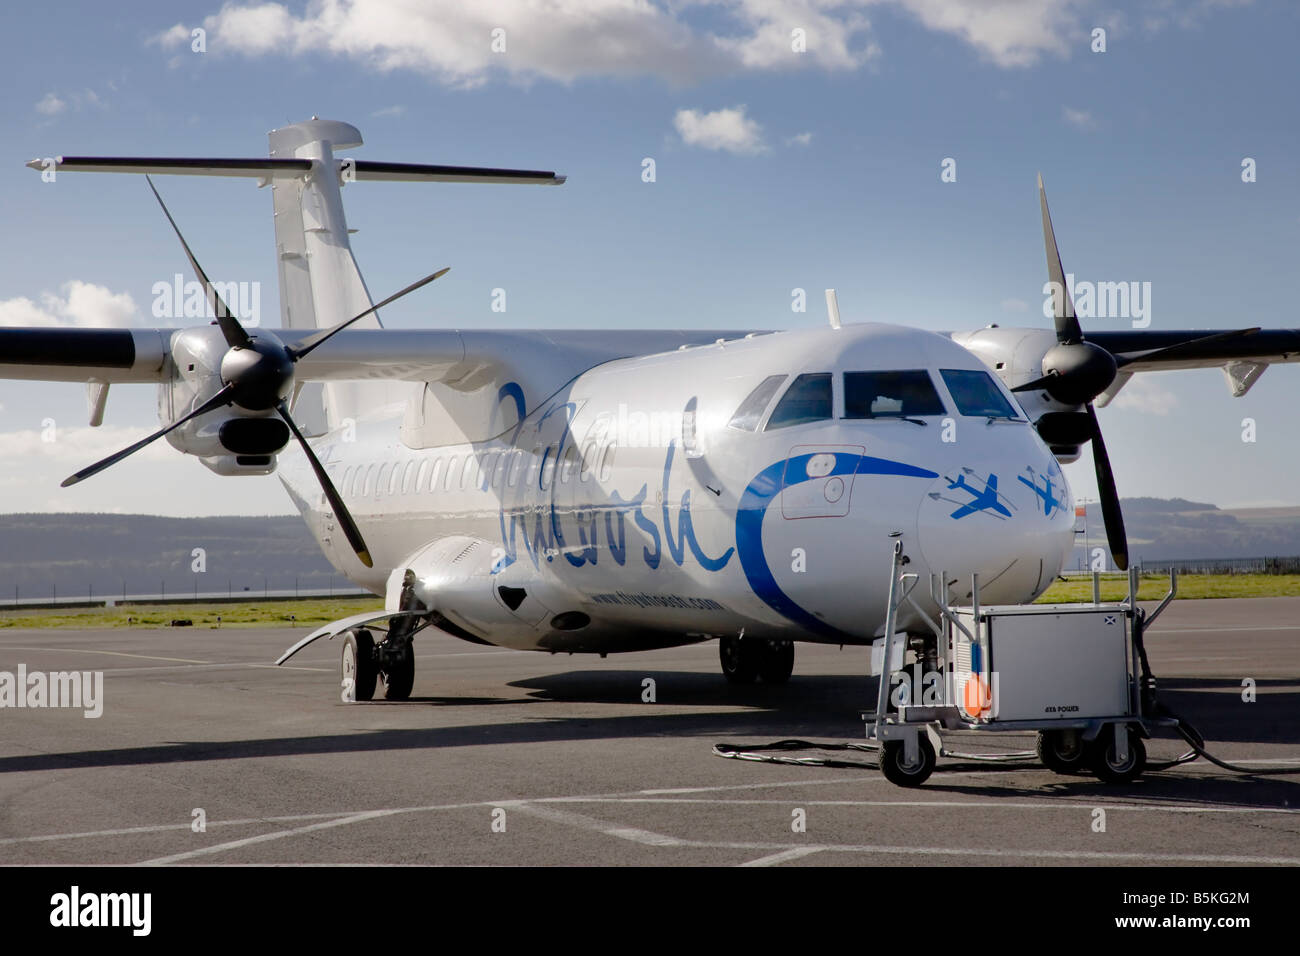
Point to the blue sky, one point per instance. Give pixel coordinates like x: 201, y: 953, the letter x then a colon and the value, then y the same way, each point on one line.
x: 774, y: 171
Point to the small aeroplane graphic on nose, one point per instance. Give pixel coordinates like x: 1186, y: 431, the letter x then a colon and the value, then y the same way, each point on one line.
x: 1050, y: 501
x: 985, y: 500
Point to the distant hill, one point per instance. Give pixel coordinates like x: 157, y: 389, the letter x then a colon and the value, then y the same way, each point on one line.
x: 1178, y: 529
x: 73, y: 554
x: 69, y: 554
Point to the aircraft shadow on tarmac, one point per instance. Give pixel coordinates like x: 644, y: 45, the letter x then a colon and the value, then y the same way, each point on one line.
x: 818, y: 707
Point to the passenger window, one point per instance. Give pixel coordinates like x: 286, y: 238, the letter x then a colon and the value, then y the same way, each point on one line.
x: 347, y: 481
x: 607, y: 461
x: 452, y: 462
x: 421, y: 475
x: 885, y: 394
x: 588, y: 460
x: 566, y: 466
x: 976, y: 394
x: 382, y: 479
x: 489, y: 466
x: 368, y: 483
x: 533, y: 464
x: 435, y: 474
x: 408, y: 475
x: 394, y: 477
x: 807, y: 400
x: 516, y: 464
x: 548, y: 467
x: 751, y: 410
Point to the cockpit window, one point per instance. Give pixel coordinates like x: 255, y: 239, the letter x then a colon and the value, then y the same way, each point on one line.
x: 751, y: 410
x: 890, y: 394
x: 808, y: 399
x: 976, y: 394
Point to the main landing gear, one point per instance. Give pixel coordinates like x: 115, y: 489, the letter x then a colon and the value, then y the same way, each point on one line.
x: 365, y: 663
x: 747, y: 659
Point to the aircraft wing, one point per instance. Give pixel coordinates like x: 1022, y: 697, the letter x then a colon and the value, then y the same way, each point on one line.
x: 415, y: 355
x: 1264, y: 347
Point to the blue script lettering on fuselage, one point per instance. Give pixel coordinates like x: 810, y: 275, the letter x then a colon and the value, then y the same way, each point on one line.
x: 542, y: 527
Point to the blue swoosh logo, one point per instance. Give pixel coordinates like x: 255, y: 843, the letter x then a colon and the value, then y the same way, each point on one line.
x: 760, y: 493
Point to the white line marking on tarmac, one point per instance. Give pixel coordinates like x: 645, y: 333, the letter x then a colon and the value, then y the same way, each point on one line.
x: 934, y: 804
x: 633, y: 834
x: 83, y: 650
x: 267, y: 837
x: 774, y: 859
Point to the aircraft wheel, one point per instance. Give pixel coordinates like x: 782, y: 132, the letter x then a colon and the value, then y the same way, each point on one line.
x: 739, y: 659
x: 399, y: 677
x: 359, y: 669
x: 1062, y: 751
x: 894, y: 765
x: 775, y: 661
x: 1102, y: 760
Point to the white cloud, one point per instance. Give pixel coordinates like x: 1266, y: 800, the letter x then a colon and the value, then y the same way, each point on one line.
x: 1007, y: 33
x: 799, y: 139
x: 50, y: 105
x: 396, y: 110
x: 81, y: 304
x: 1082, y: 119
x: 677, y: 40
x: 1144, y: 395
x: 725, y: 129
x: 1014, y: 305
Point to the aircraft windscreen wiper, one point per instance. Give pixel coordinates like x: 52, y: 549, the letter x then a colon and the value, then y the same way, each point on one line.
x: 900, y: 418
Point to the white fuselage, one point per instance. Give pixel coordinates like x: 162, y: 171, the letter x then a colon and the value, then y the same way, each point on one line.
x: 624, y: 512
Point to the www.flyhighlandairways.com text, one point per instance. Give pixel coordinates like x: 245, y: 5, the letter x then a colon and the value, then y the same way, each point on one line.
x: 38, y: 689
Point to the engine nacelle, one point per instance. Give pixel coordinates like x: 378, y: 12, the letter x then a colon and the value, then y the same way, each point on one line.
x: 228, y: 440
x: 1016, y: 356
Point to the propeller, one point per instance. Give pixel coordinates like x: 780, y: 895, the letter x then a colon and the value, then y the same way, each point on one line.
x: 257, y: 375
x: 1074, y: 373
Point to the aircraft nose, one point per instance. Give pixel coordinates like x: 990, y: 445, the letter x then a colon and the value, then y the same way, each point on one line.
x: 1010, y: 528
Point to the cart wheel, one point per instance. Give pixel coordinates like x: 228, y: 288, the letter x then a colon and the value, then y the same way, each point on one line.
x: 1102, y: 761
x: 1062, y: 751
x: 894, y: 765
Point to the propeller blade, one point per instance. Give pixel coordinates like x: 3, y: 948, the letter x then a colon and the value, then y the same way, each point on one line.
x: 221, y: 398
x: 341, y: 513
x: 312, y: 341
x: 1035, y: 384
x: 1067, y: 325
x: 1188, y: 346
x: 1110, y: 509
x: 234, y: 333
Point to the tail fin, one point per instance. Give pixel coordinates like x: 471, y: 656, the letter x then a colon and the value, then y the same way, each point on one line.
x: 320, y: 284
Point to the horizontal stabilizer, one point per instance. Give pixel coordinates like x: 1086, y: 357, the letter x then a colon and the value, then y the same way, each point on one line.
x: 420, y: 172
x: 286, y: 168
x: 198, y: 166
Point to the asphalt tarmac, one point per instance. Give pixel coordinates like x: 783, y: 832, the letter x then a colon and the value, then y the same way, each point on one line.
x: 206, y: 753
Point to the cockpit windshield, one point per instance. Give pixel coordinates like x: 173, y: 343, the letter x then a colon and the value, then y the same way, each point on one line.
x: 976, y: 394
x: 890, y: 394
x: 808, y: 399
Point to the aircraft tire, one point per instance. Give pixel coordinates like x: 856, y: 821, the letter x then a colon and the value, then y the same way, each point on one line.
x: 775, y: 661
x: 358, y: 665
x: 739, y: 659
x: 399, y: 678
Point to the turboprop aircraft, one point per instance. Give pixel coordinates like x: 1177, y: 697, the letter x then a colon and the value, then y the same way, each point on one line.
x: 622, y: 490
